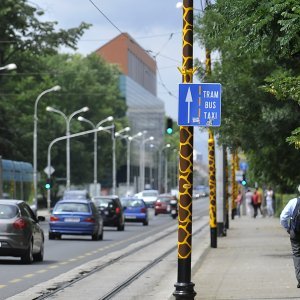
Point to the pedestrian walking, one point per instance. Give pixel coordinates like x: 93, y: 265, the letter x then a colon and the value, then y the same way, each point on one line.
x: 255, y: 203
x: 238, y: 201
x: 249, y: 206
x: 259, y: 202
x: 289, y: 212
x: 269, y: 200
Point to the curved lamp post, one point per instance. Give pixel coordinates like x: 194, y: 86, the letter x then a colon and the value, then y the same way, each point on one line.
x: 35, y: 119
x: 114, y: 136
x: 129, y: 140
x: 142, y: 155
x: 9, y: 67
x: 68, y: 120
x: 82, y: 119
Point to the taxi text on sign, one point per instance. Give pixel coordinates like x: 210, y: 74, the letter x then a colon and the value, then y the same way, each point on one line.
x: 199, y: 104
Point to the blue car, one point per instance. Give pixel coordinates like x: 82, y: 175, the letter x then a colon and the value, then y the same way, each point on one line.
x: 135, y: 210
x: 75, y: 217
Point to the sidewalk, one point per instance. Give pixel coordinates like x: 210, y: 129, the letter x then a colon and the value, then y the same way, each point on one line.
x: 252, y: 262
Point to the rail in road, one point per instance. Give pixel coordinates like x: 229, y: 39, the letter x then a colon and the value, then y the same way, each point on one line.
x: 126, y: 266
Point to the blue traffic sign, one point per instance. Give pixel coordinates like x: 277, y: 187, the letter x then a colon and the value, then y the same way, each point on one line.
x: 199, y: 104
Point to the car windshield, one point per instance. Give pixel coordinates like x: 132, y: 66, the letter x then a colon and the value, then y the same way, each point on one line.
x: 150, y: 194
x: 8, y: 211
x: 164, y: 199
x: 132, y: 203
x: 102, y: 202
x: 72, y: 207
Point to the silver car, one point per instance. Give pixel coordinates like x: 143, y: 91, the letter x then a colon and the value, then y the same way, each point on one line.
x: 20, y: 232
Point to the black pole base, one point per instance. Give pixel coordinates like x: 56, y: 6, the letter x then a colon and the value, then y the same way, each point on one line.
x: 213, y: 237
x: 184, y: 291
x: 221, y: 229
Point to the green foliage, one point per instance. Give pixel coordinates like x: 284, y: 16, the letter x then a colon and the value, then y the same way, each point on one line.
x: 258, y: 42
x: 85, y: 81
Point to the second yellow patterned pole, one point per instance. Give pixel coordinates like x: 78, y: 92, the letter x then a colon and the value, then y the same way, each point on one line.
x: 184, y: 288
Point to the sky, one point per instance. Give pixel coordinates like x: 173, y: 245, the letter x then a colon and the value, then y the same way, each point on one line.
x: 155, y: 25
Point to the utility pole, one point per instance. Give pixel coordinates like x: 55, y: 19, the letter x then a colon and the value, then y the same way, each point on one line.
x: 184, y: 288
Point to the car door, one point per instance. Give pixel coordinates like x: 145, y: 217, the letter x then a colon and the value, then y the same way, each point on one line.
x: 35, y: 227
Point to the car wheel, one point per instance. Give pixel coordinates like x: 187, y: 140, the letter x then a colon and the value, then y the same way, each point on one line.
x: 51, y: 236
x: 145, y: 223
x: 40, y: 256
x: 27, y: 257
x: 121, y: 227
x: 95, y: 236
x: 101, y: 235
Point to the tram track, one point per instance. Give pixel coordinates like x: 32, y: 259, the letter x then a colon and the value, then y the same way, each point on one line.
x: 119, y: 259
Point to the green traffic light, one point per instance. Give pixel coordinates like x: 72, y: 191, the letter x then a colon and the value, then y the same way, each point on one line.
x: 47, y: 186
x: 244, y: 182
x: 169, y: 131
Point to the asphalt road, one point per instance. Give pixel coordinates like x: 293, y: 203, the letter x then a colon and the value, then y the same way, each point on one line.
x: 72, y: 251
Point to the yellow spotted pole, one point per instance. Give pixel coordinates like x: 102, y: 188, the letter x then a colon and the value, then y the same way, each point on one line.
x: 226, y: 191
x: 184, y: 288
x: 233, y: 184
x: 212, y: 169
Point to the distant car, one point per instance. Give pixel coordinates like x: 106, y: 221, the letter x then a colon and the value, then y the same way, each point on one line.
x: 75, y: 217
x: 149, y: 196
x: 135, y: 210
x: 162, y: 204
x: 20, y: 232
x: 112, y: 211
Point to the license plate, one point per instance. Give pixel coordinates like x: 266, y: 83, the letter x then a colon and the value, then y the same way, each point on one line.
x: 72, y: 220
x: 173, y: 211
x: 168, y: 208
x: 130, y: 217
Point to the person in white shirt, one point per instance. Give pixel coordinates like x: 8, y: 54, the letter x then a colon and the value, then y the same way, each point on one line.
x: 285, y: 218
x: 249, y: 206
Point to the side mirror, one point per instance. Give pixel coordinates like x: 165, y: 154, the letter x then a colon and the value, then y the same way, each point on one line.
x: 41, y: 218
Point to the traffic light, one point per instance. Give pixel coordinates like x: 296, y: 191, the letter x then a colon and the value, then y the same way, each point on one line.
x: 244, y: 181
x: 169, y: 127
x: 48, y: 184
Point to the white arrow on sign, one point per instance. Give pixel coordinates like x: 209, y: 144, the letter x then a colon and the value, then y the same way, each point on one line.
x: 46, y: 170
x: 189, y: 99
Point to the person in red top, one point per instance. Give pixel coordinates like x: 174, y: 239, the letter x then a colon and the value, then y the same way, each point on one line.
x: 255, y: 202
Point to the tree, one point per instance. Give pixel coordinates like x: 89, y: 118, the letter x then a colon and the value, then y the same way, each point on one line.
x: 248, y: 35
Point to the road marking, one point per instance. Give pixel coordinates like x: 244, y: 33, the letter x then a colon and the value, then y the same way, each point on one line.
x: 2, y: 286
x: 41, y: 271
x: 72, y: 259
x: 16, y: 280
x: 63, y: 263
x: 28, y: 275
x: 53, y: 267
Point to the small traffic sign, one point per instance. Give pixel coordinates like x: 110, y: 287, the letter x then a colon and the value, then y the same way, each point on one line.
x: 46, y: 170
x: 199, y: 104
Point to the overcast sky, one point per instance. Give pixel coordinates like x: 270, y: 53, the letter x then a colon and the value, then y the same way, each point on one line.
x: 156, y: 25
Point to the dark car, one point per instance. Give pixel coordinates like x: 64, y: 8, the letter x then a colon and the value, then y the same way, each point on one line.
x: 75, y: 217
x: 20, y: 232
x: 135, y: 210
x: 111, y: 210
x: 162, y: 204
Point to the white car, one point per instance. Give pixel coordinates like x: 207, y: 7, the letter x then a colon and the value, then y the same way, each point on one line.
x: 149, y: 196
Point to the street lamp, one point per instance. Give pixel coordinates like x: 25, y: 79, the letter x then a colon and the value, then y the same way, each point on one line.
x: 9, y: 67
x: 114, y: 136
x: 160, y: 151
x: 68, y: 120
x: 142, y: 156
x: 129, y: 140
x: 82, y: 119
x: 35, y: 119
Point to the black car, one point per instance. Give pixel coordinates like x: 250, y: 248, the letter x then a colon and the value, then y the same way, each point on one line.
x: 112, y: 211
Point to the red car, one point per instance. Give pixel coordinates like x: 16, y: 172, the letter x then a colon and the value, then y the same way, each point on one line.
x: 162, y: 204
